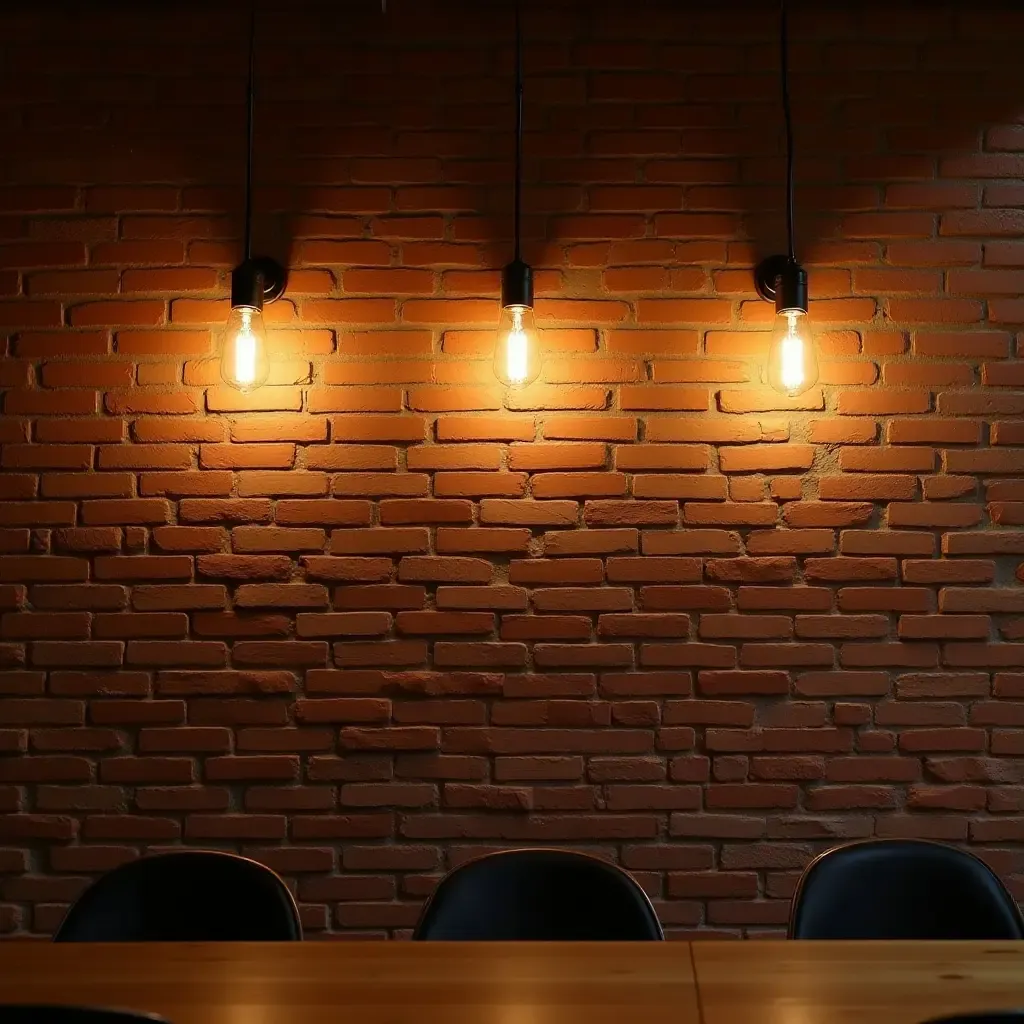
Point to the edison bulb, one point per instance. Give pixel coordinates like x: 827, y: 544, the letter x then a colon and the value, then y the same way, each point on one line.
x: 244, y: 363
x: 792, y: 363
x: 517, y: 351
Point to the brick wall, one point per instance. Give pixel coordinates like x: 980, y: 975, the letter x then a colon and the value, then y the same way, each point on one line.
x: 382, y: 615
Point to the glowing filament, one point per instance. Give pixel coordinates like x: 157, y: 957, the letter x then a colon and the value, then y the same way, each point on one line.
x: 792, y: 364
x: 792, y: 355
x: 244, y: 363
x: 517, y: 357
x: 245, y: 351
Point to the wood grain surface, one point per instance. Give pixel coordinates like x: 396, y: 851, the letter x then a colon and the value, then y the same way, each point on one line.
x: 362, y: 982
x: 522, y: 983
x: 854, y: 982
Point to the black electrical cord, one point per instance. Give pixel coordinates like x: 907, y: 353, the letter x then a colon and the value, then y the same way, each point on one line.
x: 517, y: 194
x: 250, y: 102
x: 788, y: 115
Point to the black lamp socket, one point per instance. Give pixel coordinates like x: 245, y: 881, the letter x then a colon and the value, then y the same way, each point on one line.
x: 517, y: 284
x: 783, y: 281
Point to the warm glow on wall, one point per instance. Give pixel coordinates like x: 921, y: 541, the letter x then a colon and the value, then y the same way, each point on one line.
x: 245, y: 359
x: 792, y: 362
x: 517, y: 352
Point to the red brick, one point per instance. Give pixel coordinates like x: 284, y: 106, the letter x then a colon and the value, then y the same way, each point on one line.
x: 732, y: 401
x: 663, y: 397
x: 567, y: 571
x: 933, y: 431
x: 352, y: 399
x: 43, y: 403
x: 591, y: 542
x: 887, y: 460
x: 766, y: 458
x: 939, y: 488
x: 867, y: 488
x: 730, y: 514
x: 934, y: 515
x: 791, y: 542
x: 770, y: 598
x: 882, y: 403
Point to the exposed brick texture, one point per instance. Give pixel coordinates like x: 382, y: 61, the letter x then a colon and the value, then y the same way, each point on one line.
x: 382, y: 615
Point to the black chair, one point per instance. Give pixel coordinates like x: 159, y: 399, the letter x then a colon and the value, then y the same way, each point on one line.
x: 191, y: 896
x: 538, y: 895
x: 45, y: 1014
x: 902, y: 889
x: 981, y: 1017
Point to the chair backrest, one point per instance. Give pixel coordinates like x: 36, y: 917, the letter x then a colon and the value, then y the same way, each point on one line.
x: 191, y: 896
x: 538, y: 895
x: 981, y: 1017
x: 902, y: 889
x: 42, y: 1013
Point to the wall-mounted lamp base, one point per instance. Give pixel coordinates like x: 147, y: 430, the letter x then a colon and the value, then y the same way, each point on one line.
x: 247, y: 278
x: 766, y: 273
x: 274, y: 277
x: 783, y: 281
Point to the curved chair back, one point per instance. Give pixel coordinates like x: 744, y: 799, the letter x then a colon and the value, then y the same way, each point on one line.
x: 981, y: 1017
x: 191, y: 896
x: 902, y: 889
x: 538, y: 895
x: 39, y: 1013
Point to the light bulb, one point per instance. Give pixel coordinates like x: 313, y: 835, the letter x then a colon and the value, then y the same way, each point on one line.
x: 244, y: 363
x: 517, y: 358
x: 792, y: 363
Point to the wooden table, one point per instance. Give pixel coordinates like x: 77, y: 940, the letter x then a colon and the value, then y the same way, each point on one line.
x: 854, y: 982
x: 503, y: 983
x: 364, y: 982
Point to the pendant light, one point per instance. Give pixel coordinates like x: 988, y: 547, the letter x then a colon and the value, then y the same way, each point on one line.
x: 792, y: 362
x: 245, y: 362
x: 517, y: 355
